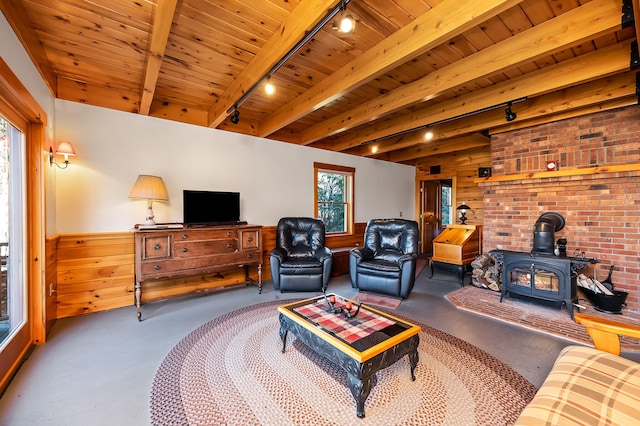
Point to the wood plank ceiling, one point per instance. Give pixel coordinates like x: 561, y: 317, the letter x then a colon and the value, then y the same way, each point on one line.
x: 447, y: 65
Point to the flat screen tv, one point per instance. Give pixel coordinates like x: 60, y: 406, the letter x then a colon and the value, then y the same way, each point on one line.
x: 202, y: 208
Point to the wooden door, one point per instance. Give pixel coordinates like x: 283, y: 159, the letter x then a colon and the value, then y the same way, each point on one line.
x: 431, y: 205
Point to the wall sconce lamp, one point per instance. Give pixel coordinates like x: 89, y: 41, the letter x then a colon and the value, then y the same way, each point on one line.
x: 150, y: 188
x: 510, y: 115
x: 346, y: 23
x: 463, y: 212
x: 64, y: 148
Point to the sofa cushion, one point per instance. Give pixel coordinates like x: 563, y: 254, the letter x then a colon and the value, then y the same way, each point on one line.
x: 586, y: 386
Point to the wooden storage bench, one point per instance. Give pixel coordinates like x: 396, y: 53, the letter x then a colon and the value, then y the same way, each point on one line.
x: 340, y: 261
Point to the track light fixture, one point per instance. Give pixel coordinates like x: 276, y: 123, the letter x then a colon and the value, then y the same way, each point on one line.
x: 346, y: 23
x: 269, y: 87
x: 235, y: 118
x: 340, y: 7
x: 510, y: 115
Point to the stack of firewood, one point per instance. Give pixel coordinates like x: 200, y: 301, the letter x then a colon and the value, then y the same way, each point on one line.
x: 486, y: 273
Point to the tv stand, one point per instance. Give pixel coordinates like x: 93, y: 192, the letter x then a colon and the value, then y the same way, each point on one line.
x: 171, y: 253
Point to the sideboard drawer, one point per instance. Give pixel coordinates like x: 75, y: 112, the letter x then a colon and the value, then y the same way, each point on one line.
x: 209, y: 234
x: 156, y: 246
x: 249, y: 239
x: 185, y: 249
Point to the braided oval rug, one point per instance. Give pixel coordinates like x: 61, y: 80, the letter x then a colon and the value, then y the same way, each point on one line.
x: 231, y: 371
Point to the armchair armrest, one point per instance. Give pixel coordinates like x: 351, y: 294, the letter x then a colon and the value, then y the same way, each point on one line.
x: 322, y: 254
x: 406, y: 258
x: 361, y: 253
x: 279, y: 253
x: 606, y: 333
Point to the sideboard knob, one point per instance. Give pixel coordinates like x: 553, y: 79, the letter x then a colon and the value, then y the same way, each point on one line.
x: 184, y: 249
x: 157, y: 267
x: 250, y: 239
x: 156, y: 246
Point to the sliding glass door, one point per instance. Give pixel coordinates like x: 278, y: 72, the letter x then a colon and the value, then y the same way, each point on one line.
x: 12, y: 231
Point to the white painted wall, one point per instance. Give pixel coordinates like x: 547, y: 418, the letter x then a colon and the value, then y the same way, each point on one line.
x: 274, y: 179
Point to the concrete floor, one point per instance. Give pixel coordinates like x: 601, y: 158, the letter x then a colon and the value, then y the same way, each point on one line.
x: 98, y: 369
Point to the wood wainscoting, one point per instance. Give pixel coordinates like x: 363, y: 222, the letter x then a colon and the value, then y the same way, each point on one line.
x: 95, y: 272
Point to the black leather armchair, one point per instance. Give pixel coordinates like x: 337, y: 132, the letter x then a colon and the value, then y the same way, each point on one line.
x: 387, y: 263
x: 300, y: 261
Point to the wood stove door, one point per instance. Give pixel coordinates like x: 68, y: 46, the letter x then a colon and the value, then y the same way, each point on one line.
x: 535, y: 281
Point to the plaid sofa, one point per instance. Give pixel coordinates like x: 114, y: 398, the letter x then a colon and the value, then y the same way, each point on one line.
x: 587, y: 386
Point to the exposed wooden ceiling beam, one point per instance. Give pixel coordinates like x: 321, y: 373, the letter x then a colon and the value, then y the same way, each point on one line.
x: 542, y: 109
x: 578, y: 112
x: 575, y: 71
x: 304, y: 17
x: 162, y: 20
x: 598, y: 16
x: 439, y: 147
x: 413, y: 145
x: 178, y: 113
x: 18, y: 18
x: 636, y: 17
x: 421, y: 35
x: 106, y: 97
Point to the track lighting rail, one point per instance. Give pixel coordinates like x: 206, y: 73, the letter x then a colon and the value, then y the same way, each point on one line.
x: 328, y: 17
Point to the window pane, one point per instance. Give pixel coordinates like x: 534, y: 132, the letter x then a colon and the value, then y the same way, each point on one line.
x: 334, y: 217
x: 331, y: 187
x: 447, y: 212
x: 12, y: 212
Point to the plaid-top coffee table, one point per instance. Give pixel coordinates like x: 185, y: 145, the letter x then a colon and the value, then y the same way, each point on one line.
x: 362, y: 345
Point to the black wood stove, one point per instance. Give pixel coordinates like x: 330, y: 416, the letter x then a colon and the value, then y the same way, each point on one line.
x: 541, y: 276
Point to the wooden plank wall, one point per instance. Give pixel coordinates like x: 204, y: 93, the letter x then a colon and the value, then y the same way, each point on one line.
x: 95, y: 272
x: 464, y: 166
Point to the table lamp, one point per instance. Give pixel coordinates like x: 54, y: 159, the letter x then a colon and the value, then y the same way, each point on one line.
x: 463, y: 212
x: 150, y: 188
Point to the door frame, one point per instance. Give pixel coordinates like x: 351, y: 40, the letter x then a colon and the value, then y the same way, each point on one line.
x: 419, y: 200
x: 18, y: 106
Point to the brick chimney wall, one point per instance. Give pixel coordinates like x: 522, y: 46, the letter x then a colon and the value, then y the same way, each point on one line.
x: 596, y: 189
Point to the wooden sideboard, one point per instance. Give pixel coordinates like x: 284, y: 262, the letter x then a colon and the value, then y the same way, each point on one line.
x: 169, y: 253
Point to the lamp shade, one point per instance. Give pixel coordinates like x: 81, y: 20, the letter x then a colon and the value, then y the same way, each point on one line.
x: 463, y: 206
x: 149, y: 187
x: 65, y: 148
